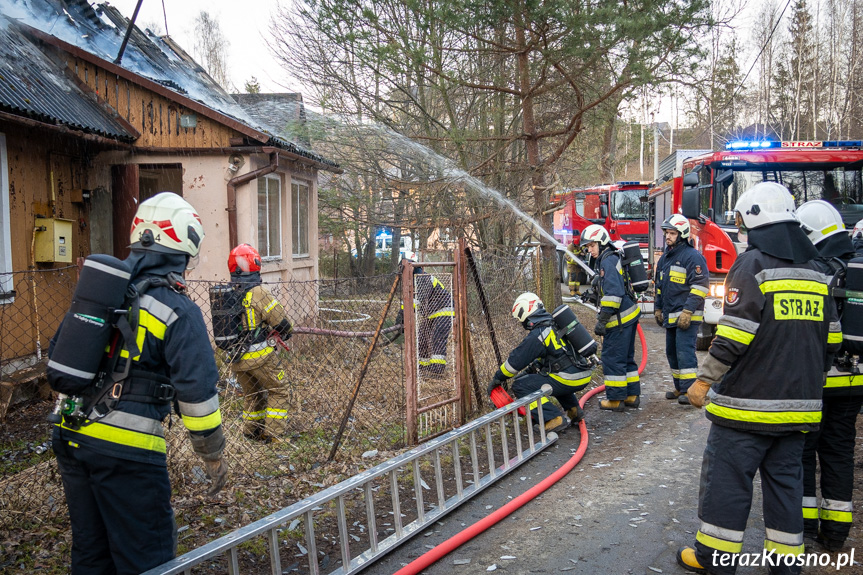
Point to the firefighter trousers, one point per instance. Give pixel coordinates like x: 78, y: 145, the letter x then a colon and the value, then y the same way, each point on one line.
x: 619, y: 370
x: 833, y: 447
x: 565, y: 395
x: 731, y: 459
x: 121, y: 515
x: 680, y: 351
x: 433, y: 336
x: 266, y: 397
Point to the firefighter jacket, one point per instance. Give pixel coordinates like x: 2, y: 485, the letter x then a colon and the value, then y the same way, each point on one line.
x: 262, y: 313
x: 681, y: 283
x: 550, y: 352
x: 175, y: 352
x: 431, y: 299
x: 614, y: 297
x: 840, y: 381
x: 766, y: 363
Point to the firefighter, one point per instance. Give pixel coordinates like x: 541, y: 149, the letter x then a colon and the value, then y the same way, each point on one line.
x: 573, y: 268
x: 257, y: 366
x: 546, y: 359
x: 616, y: 321
x: 114, y: 468
x: 434, y: 308
x: 681, y: 285
x: 762, y: 384
x: 833, y: 443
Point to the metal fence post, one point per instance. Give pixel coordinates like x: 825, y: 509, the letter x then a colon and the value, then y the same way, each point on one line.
x: 462, y: 378
x: 410, y: 351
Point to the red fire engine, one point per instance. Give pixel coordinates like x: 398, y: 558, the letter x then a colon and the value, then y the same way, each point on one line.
x: 709, y: 185
x: 621, y: 208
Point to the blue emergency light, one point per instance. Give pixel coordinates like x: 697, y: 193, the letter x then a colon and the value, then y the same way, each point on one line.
x: 628, y: 183
x: 751, y: 144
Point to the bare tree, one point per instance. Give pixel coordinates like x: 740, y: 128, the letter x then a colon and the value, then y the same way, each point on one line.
x: 211, y: 49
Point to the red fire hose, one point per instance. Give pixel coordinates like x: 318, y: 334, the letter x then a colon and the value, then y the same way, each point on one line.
x: 466, y: 535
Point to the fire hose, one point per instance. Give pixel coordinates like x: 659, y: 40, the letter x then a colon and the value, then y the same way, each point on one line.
x: 466, y: 535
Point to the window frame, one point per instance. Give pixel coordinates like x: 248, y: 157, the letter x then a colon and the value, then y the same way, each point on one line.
x: 265, y: 249
x: 7, y: 281
x: 296, y: 185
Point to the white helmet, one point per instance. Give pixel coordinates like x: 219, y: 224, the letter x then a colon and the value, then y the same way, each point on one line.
x: 594, y: 233
x: 678, y: 223
x: 820, y: 220
x: 526, y: 305
x: 763, y: 204
x: 167, y: 223
x: 858, y: 229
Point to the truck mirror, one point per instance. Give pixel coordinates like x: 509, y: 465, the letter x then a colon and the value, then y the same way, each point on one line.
x: 690, y: 204
x: 603, y: 211
x: 690, y: 180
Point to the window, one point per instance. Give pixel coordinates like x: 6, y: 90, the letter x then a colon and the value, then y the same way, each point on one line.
x: 270, y: 217
x: 628, y: 204
x: 6, y: 280
x: 300, y: 218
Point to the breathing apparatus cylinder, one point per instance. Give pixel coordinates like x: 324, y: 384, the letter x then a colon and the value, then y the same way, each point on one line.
x: 574, y: 333
x: 634, y: 265
x: 852, y: 313
x: 75, y: 358
x: 226, y: 305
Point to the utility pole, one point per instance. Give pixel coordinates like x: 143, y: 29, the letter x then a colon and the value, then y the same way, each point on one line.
x: 655, y: 150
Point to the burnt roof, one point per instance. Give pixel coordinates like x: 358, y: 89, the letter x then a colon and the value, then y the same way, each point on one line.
x: 33, y: 85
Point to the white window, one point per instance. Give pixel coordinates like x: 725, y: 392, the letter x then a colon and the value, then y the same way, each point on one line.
x: 270, y: 217
x: 300, y: 216
x: 6, y: 280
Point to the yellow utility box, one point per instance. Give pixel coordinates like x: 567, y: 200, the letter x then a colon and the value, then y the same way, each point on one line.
x: 53, y: 240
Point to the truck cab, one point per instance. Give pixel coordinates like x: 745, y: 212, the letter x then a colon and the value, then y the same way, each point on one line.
x: 708, y: 188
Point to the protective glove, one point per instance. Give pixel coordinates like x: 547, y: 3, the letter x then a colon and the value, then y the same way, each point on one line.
x: 217, y: 472
x: 697, y: 393
x: 601, y: 320
x: 659, y: 318
x: 684, y: 319
x: 494, y: 383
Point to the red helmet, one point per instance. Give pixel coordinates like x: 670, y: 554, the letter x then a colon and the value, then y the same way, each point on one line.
x: 244, y: 259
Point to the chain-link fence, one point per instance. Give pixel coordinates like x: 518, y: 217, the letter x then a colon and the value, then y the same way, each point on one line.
x: 334, y: 323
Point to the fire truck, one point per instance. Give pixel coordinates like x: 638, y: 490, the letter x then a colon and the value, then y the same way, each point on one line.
x: 709, y: 185
x: 621, y: 208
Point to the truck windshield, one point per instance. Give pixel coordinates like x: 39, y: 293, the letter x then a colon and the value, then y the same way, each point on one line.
x: 627, y: 205
x: 842, y: 188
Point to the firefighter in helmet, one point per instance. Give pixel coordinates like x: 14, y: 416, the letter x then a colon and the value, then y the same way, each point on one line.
x: 857, y: 238
x: 113, y: 467
x: 762, y: 385
x: 833, y: 444
x: 681, y: 286
x: 547, y: 359
x: 616, y: 321
x: 573, y: 269
x: 256, y: 363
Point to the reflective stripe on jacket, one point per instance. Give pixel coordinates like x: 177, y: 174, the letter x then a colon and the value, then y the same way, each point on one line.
x: 612, y: 291
x: 174, y: 343
x: 682, y: 282
x: 767, y: 360
x: 543, y: 345
x: 261, y: 313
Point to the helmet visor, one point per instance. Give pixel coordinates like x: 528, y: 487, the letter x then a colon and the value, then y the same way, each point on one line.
x: 738, y: 221
x: 193, y: 262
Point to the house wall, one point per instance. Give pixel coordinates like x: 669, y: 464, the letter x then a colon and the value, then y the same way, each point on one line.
x: 156, y: 117
x: 43, y: 167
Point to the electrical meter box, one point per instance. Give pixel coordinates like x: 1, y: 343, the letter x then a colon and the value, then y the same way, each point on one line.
x: 54, y: 243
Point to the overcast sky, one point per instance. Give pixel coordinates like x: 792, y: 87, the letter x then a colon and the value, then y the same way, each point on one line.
x: 244, y: 22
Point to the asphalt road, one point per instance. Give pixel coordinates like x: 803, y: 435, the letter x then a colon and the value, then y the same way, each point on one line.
x: 626, y: 508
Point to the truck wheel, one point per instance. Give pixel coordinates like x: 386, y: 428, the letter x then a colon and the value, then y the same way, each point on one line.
x: 705, y: 336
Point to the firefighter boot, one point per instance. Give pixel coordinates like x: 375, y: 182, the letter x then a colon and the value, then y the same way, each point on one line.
x: 612, y: 405
x: 576, y: 414
x: 557, y: 424
x: 683, y: 399
x: 686, y: 559
x: 632, y: 401
x: 672, y: 394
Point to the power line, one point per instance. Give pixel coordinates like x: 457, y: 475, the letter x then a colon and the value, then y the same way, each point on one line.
x: 743, y: 81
